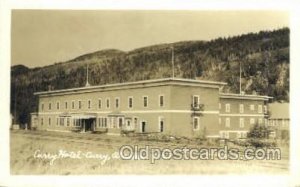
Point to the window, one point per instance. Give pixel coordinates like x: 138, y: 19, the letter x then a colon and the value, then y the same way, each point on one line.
x: 89, y: 104
x: 42, y: 106
x: 196, y: 123
x: 160, y: 124
x: 227, y: 123
x: 49, y: 106
x: 161, y: 100
x: 135, y: 121
x: 49, y: 122
x: 242, y: 123
x: 57, y: 121
x: 252, y: 121
x: 68, y: 121
x: 130, y: 102
x: 100, y: 122
x: 227, y: 107
x: 79, y: 105
x: 241, y: 108
x: 57, y: 105
x: 66, y: 105
x: 42, y: 121
x: 73, y: 104
x: 61, y: 122
x: 107, y: 103
x: 265, y: 109
x: 260, y: 121
x: 99, y: 103
x: 104, y: 122
x: 128, y: 123
x: 238, y: 135
x: 196, y: 101
x: 259, y: 109
x: 117, y: 102
x: 266, y: 122
x: 252, y: 107
x: 120, y: 122
x: 145, y: 99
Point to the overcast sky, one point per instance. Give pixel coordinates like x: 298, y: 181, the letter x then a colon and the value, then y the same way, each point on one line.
x: 43, y: 37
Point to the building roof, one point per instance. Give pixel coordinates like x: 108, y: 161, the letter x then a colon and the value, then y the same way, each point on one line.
x: 279, y: 110
x: 244, y: 96
x: 144, y: 83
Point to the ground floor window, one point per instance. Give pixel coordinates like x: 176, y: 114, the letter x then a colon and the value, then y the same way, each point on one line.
x: 196, y: 123
x: 242, y: 122
x: 161, y: 124
x: 143, y: 126
x: 61, y: 122
x: 227, y: 123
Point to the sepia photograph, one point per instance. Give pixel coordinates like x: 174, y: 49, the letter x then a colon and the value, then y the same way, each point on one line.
x: 148, y: 93
x: 156, y: 92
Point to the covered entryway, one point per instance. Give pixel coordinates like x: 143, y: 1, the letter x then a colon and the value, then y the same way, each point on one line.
x: 86, y: 122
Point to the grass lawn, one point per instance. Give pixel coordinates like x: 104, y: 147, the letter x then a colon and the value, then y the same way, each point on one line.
x: 25, y: 145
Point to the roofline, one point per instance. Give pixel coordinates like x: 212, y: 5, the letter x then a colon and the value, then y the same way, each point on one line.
x: 132, y: 84
x: 244, y: 96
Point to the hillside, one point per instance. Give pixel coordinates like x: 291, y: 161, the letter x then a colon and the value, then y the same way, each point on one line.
x: 264, y: 57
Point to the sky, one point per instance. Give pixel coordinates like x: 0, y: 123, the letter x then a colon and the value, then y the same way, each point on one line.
x: 44, y: 37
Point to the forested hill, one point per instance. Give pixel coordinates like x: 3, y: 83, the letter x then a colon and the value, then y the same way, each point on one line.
x: 264, y: 57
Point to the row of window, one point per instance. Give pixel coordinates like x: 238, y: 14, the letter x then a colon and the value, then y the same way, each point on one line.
x: 241, y: 108
x: 238, y: 134
x: 107, y: 103
x: 242, y: 122
x: 104, y: 122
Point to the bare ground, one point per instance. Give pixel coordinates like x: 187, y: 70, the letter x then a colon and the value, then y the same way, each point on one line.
x: 24, y: 144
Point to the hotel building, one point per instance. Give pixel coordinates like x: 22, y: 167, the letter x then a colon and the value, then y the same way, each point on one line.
x: 172, y: 106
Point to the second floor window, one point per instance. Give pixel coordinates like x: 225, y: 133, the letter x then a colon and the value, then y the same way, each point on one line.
x: 259, y: 109
x: 79, y: 104
x: 227, y: 107
x: 49, y: 106
x: 107, y: 103
x: 117, y: 102
x: 57, y: 105
x: 99, y: 103
x: 89, y: 104
x: 196, y: 101
x: 130, y: 102
x: 66, y: 105
x: 42, y: 106
x: 241, y: 108
x: 73, y: 105
x: 145, y: 99
x: 161, y: 100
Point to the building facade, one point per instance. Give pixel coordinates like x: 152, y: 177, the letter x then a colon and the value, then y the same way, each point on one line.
x: 180, y: 107
x: 279, y: 120
x: 239, y: 113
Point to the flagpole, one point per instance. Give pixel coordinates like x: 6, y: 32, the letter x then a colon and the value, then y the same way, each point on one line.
x: 173, y: 73
x: 87, y: 75
x: 240, y: 79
